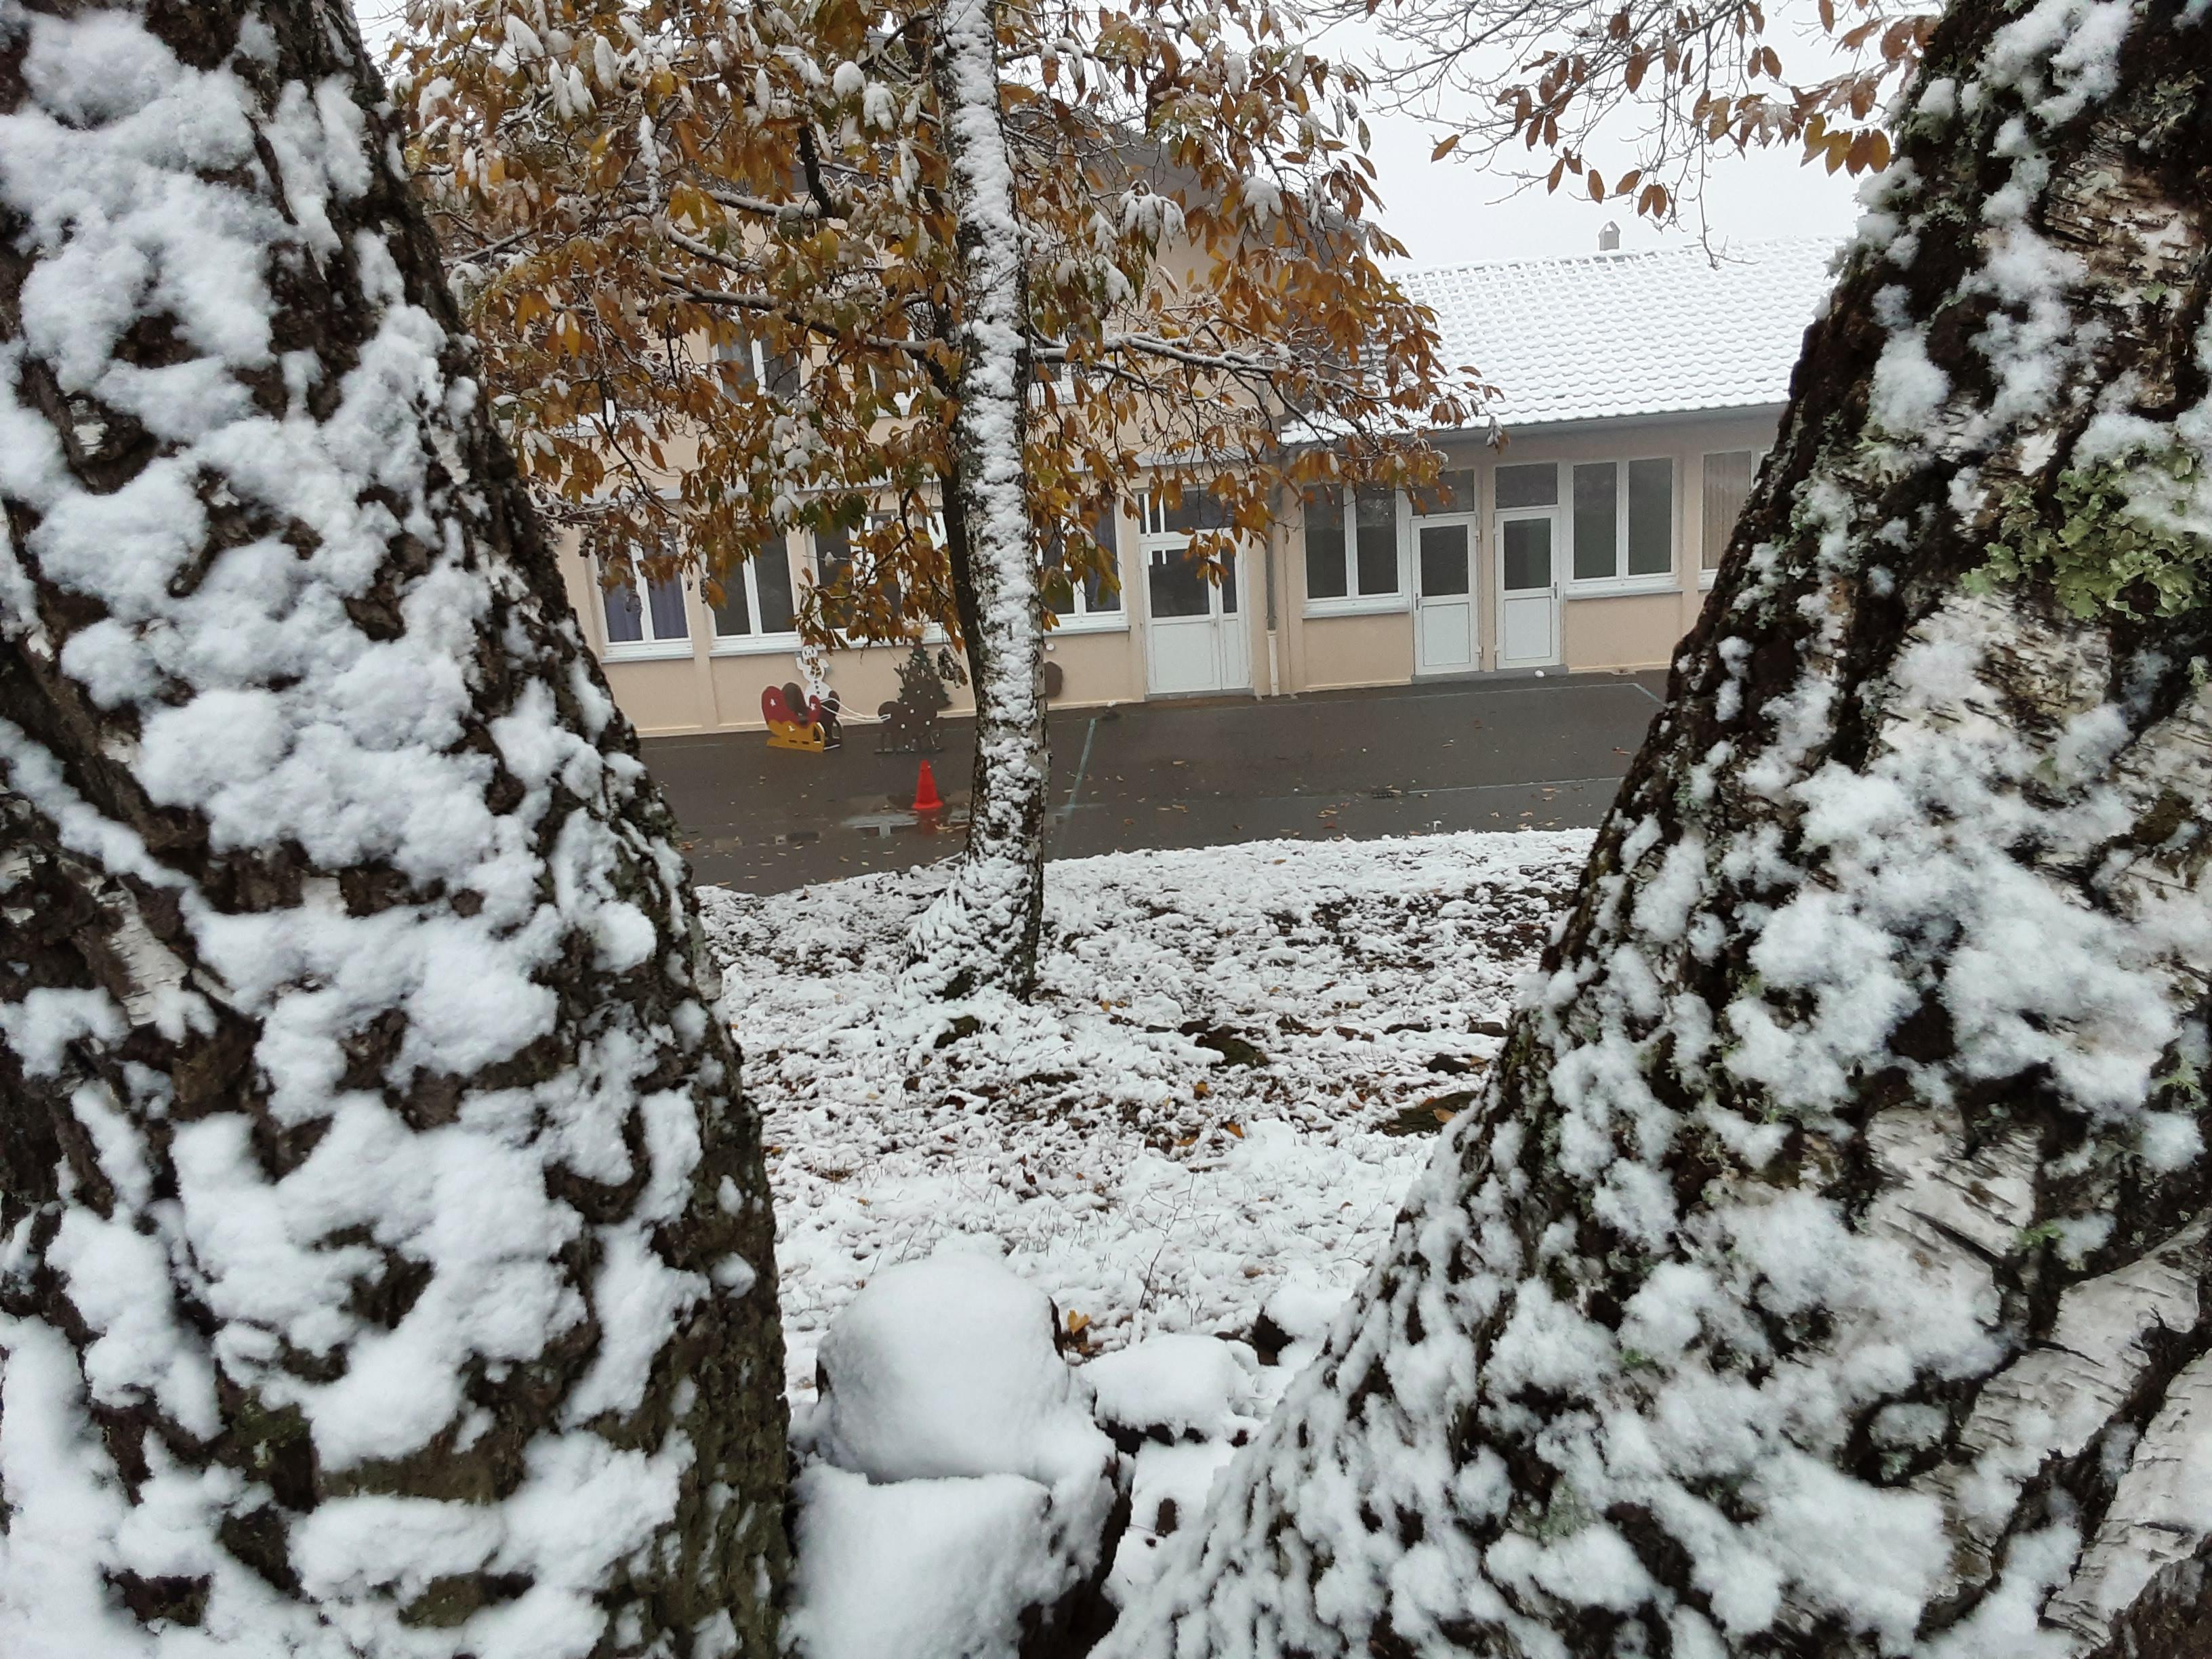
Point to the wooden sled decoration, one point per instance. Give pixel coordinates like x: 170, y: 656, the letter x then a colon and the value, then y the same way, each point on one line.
x: 796, y: 720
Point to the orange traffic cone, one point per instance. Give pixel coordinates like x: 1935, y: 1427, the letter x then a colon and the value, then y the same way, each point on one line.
x: 926, y: 798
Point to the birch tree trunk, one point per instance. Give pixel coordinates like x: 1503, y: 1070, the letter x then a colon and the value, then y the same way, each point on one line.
x: 387, y: 1255
x: 1825, y: 1270
x: 981, y: 932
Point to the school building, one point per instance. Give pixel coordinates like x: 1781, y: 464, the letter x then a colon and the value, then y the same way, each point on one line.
x: 1639, y: 391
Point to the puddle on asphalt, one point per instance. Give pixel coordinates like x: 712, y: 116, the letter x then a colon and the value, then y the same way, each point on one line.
x: 738, y: 843
x: 884, y: 826
x: 870, y: 826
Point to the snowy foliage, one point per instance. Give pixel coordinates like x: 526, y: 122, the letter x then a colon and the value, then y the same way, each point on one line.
x: 996, y: 296
x: 383, y: 1079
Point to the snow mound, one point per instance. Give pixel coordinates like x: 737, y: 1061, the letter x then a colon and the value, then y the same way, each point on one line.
x: 1182, y: 1405
x: 917, y: 1569
x: 963, y: 1499
x: 1295, y: 1321
x: 949, y: 1367
x: 1178, y: 1387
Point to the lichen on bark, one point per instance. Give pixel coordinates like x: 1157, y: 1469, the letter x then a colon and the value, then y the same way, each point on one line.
x: 2131, y: 535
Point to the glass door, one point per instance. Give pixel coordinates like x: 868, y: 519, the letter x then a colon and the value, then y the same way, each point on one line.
x: 1443, y: 600
x: 1195, y: 632
x: 1528, y: 591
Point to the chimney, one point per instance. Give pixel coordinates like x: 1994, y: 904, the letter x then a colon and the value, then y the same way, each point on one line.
x: 1608, y: 238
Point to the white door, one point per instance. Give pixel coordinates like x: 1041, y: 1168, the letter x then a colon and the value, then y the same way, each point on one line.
x: 1443, y: 596
x: 1196, y: 636
x: 1528, y: 591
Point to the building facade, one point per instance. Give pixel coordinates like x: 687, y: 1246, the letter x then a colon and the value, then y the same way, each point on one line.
x: 1639, y: 390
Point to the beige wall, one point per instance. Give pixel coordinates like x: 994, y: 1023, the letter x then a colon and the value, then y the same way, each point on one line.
x: 697, y: 686
x: 659, y: 696
x: 1364, y: 650
x: 1633, y: 623
x: 1622, y: 631
x: 704, y: 685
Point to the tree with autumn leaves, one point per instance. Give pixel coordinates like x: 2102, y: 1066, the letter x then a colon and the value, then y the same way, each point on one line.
x: 1634, y: 103
x: 740, y: 271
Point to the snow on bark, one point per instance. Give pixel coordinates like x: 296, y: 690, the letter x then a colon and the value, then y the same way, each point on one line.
x: 983, y: 931
x: 387, y: 1263
x: 1824, y: 1271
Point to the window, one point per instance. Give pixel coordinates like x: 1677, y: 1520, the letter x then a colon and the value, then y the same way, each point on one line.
x: 646, y: 617
x: 1453, y: 492
x: 1356, y: 568
x: 1528, y: 486
x: 1176, y: 582
x: 1728, y: 487
x: 836, y: 560
x: 758, y: 366
x: 833, y: 563
x: 1093, y: 600
x: 1325, y: 566
x: 757, y: 597
x: 1057, y: 373
x: 1623, y: 509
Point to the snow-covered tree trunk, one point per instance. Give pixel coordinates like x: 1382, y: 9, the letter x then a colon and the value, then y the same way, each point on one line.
x: 387, y: 1256
x: 982, y: 931
x: 1825, y: 1271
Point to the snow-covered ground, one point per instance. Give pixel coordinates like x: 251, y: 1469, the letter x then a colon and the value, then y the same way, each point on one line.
x: 1236, y: 1060
x: 1234, y: 1065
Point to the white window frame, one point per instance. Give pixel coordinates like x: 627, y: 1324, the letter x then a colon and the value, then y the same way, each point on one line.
x: 757, y: 355
x: 1353, y: 603
x: 1666, y: 581
x: 652, y: 648
x: 1757, y: 460
x: 759, y: 642
x: 1083, y: 619
x: 1062, y: 380
x: 1153, y: 537
x: 931, y: 633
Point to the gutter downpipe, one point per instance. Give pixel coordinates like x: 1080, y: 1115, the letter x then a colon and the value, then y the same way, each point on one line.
x: 1275, y: 539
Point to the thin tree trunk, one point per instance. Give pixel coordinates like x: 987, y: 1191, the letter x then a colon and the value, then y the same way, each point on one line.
x: 388, y: 1260
x: 982, y: 931
x: 1825, y: 1271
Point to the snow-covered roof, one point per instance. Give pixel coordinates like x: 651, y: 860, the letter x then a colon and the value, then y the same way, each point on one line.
x: 1638, y: 333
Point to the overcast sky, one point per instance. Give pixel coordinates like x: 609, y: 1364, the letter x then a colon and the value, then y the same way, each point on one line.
x: 1446, y: 214
x: 1453, y: 213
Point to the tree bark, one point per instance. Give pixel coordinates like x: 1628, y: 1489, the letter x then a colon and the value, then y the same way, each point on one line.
x: 1824, y: 1271
x: 981, y: 932
x: 387, y: 1260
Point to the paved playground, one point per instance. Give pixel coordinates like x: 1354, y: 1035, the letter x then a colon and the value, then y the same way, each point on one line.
x: 1483, y: 754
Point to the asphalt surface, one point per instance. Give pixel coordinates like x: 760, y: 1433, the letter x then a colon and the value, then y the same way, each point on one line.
x: 1482, y: 754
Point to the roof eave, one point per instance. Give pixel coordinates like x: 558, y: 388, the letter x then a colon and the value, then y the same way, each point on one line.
x: 1512, y: 428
